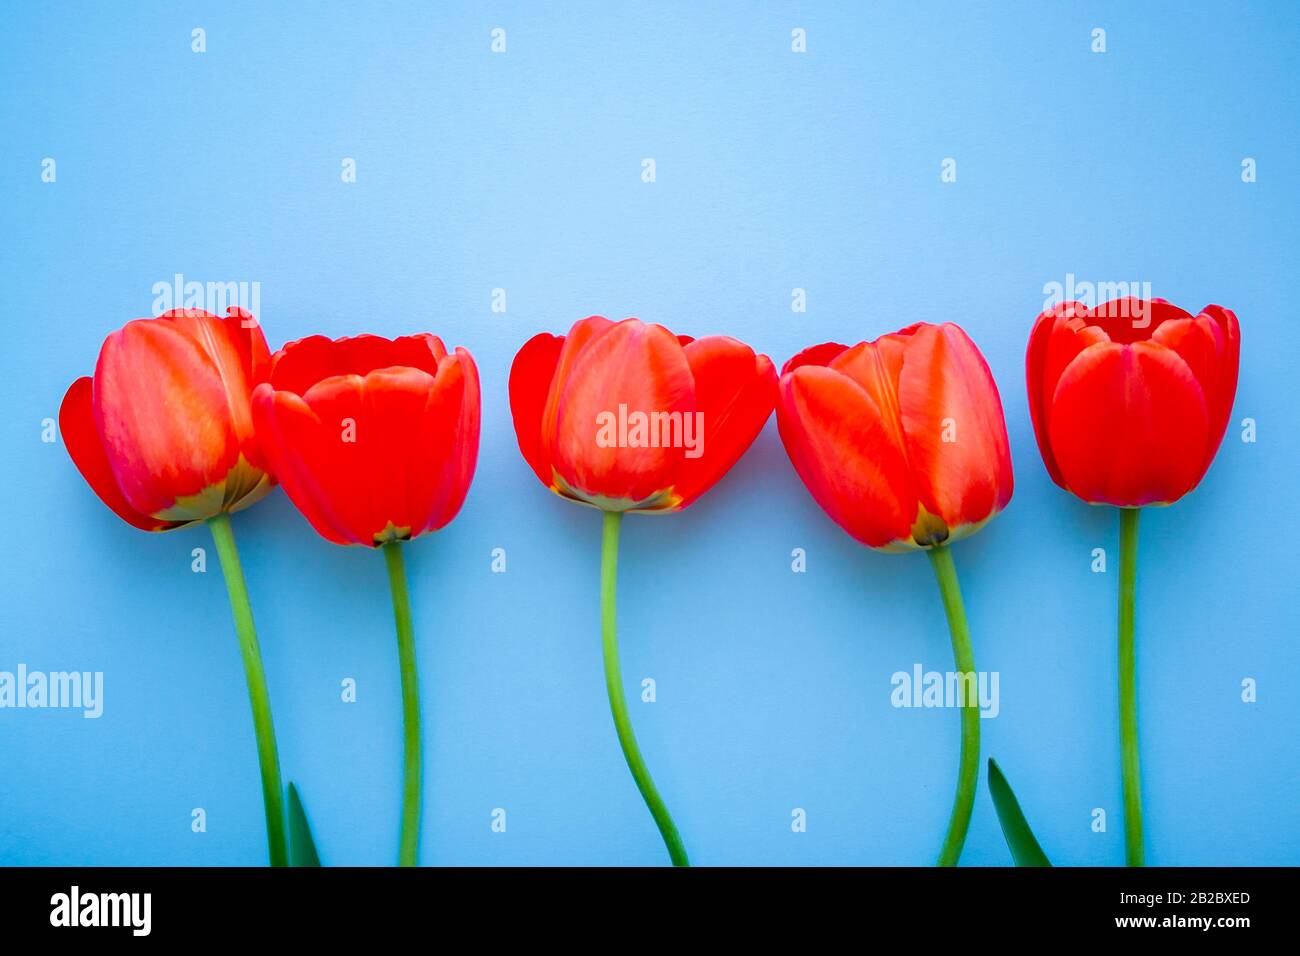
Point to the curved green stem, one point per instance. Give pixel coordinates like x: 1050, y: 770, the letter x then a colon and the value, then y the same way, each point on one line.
x: 968, y: 771
x: 268, y: 757
x: 409, y: 845
x: 1134, y: 854
x: 614, y: 686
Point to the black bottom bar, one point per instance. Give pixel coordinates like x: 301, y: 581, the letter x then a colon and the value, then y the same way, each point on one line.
x: 543, y: 905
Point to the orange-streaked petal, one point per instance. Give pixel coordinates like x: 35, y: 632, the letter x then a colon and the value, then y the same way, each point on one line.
x: 955, y: 433
x: 580, y: 335
x: 163, y: 411
x: 876, y: 367
x: 848, y: 459
x: 236, y: 347
x: 628, y: 369
x: 77, y: 426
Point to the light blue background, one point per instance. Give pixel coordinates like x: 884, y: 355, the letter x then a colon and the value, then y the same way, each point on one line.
x: 775, y: 171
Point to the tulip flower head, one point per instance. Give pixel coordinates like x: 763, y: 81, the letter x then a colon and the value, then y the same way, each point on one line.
x: 1130, y: 401
x: 627, y: 416
x: 901, y: 440
x: 163, y: 431
x: 374, y: 439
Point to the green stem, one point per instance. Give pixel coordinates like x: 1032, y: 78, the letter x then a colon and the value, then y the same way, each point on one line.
x: 945, y: 572
x: 1134, y: 854
x: 267, y: 756
x: 614, y: 686
x: 409, y: 846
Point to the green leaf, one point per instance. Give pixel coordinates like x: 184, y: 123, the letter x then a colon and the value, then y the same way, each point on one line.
x: 302, y: 848
x: 1024, y: 848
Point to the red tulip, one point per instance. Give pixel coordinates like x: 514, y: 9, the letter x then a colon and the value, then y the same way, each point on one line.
x: 373, y: 440
x: 164, y: 435
x: 1130, y: 400
x: 901, y: 440
x: 163, y: 432
x: 626, y: 416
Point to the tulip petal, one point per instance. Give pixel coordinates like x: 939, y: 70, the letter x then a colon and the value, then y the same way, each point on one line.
x: 1226, y: 391
x: 380, y: 471
x: 234, y: 341
x: 734, y: 394
x: 1039, y: 384
x: 955, y: 433
x: 833, y: 432
x: 453, y: 417
x: 77, y: 426
x: 243, y: 329
x: 1210, y: 345
x: 403, y: 459
x: 629, y: 369
x: 583, y: 333
x: 1200, y: 343
x: 1059, y: 335
x: 531, y: 374
x: 814, y: 355
x: 299, y: 455
x: 1035, y: 359
x: 1129, y: 425
x: 876, y: 367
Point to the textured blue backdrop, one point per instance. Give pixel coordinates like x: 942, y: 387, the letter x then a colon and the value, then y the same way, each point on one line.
x: 522, y: 171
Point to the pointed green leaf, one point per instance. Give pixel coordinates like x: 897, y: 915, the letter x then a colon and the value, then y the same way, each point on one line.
x: 1024, y: 848
x: 302, y: 848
